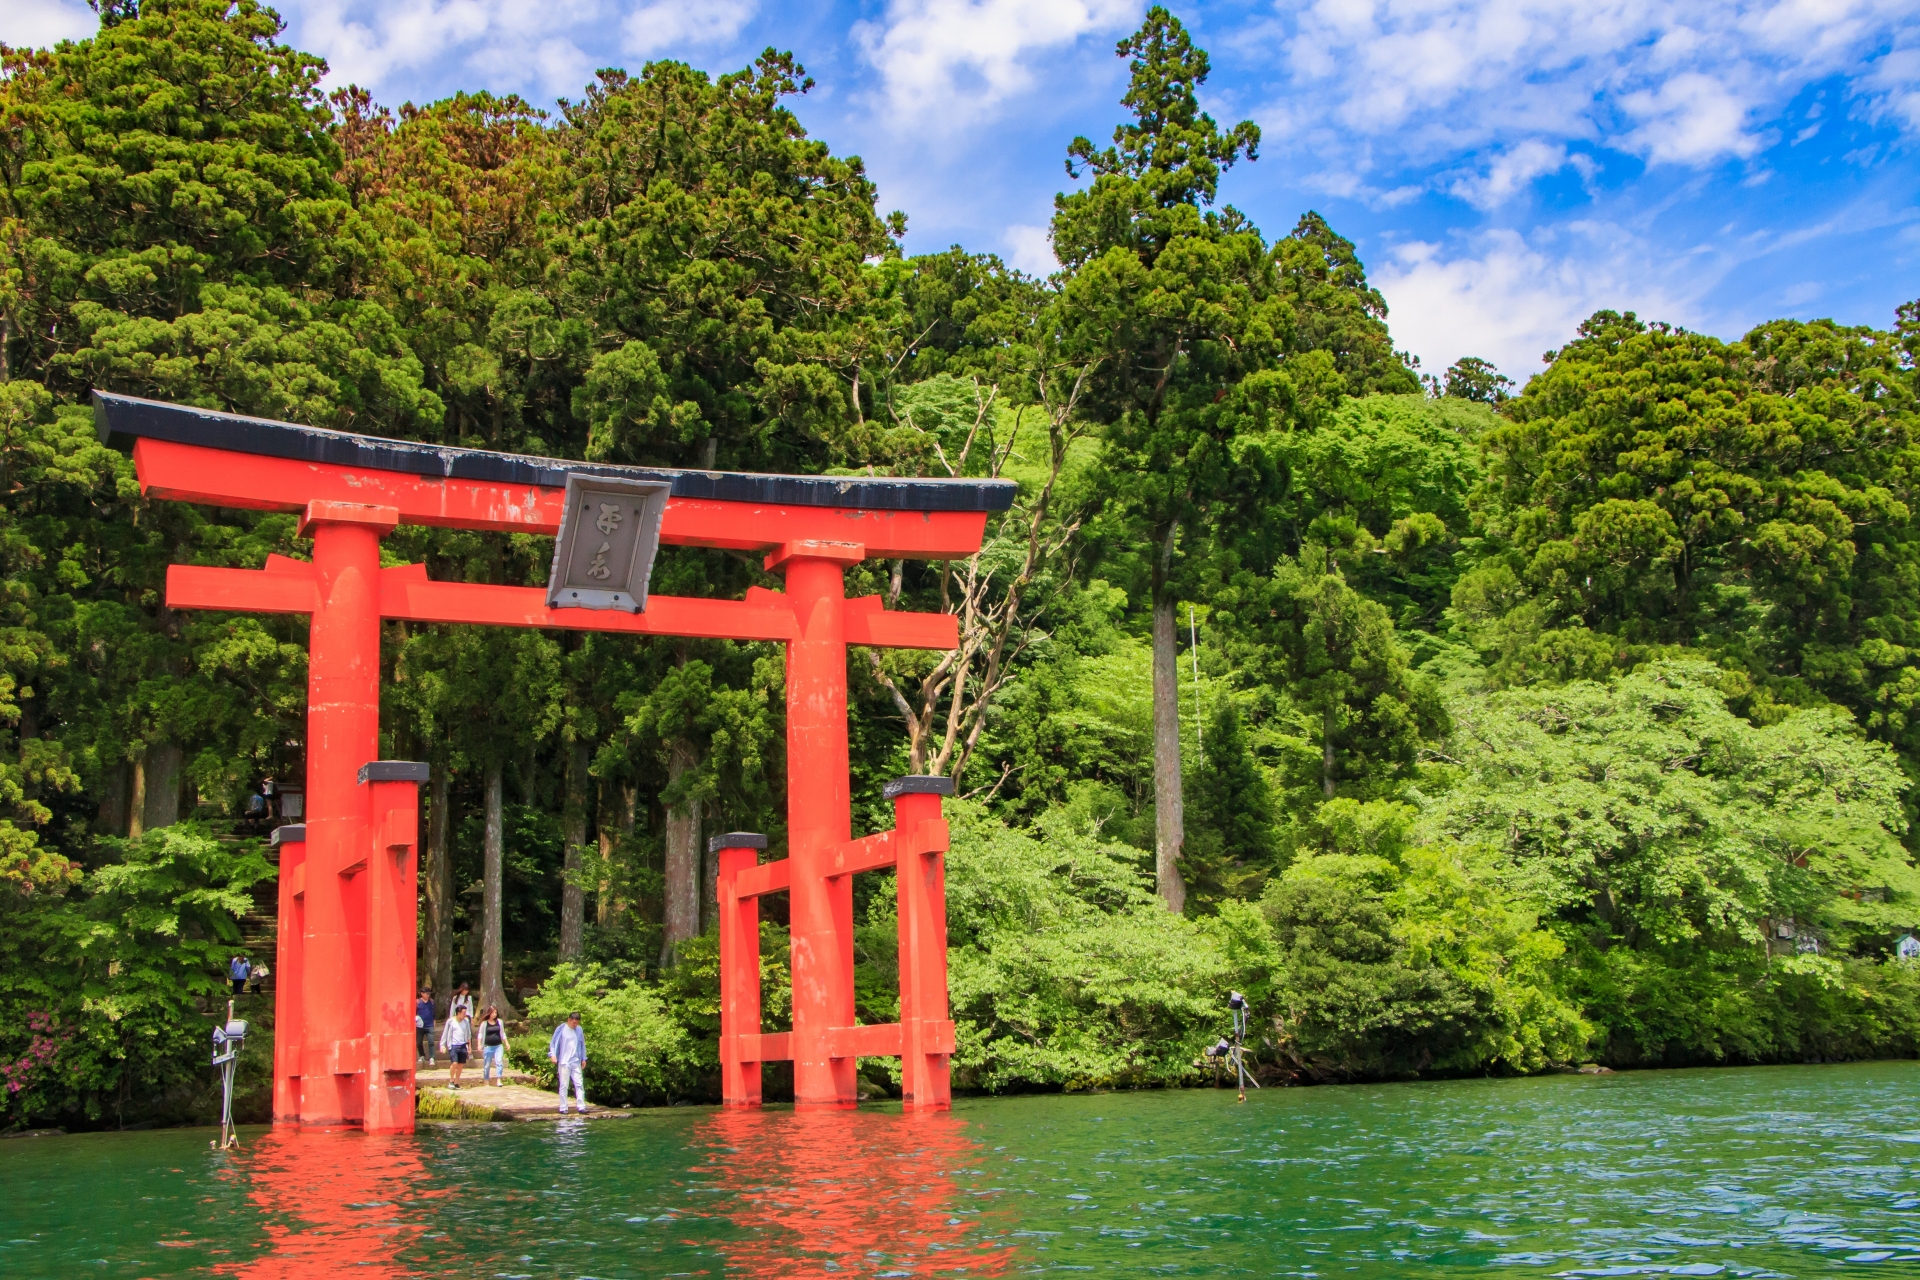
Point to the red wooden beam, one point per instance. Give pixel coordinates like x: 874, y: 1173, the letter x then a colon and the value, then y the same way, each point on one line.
x: 768, y: 1046
x: 869, y: 853
x: 768, y: 877
x: 408, y: 594
x: 288, y: 586
x: 192, y: 586
x: 218, y: 477
x: 877, y: 1040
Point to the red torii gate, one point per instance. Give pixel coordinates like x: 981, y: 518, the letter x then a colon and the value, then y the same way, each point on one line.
x: 343, y: 1052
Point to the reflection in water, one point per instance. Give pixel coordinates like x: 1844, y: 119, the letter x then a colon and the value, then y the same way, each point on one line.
x: 332, y: 1202
x: 832, y: 1192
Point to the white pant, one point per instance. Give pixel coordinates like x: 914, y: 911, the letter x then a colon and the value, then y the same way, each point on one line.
x: 570, y: 1070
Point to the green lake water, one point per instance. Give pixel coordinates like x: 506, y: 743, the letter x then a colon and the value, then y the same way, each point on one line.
x: 1782, y: 1171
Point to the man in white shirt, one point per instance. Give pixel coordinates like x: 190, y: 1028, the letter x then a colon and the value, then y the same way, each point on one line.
x: 568, y: 1052
x: 454, y: 1038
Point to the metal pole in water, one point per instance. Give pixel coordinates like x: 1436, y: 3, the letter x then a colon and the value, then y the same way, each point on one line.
x: 227, y: 1040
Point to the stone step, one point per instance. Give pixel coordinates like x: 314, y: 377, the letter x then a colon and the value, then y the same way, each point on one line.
x: 440, y: 1075
x: 509, y: 1102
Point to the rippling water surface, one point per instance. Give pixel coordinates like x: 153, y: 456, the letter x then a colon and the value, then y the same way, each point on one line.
x: 1785, y: 1171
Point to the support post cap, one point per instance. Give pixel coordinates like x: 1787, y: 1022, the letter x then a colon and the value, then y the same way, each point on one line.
x: 737, y: 840
x: 322, y: 511
x: 813, y: 549
x: 918, y: 784
x: 294, y: 834
x: 394, y: 771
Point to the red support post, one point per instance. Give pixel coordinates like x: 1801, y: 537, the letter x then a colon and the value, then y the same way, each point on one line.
x: 739, y: 969
x: 343, y: 732
x: 289, y: 947
x: 926, y: 1029
x: 392, y: 876
x: 819, y: 819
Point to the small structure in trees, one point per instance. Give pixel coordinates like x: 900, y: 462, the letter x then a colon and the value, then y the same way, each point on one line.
x: 344, y: 1051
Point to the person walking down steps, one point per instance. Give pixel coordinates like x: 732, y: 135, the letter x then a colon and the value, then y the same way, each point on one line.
x: 568, y: 1052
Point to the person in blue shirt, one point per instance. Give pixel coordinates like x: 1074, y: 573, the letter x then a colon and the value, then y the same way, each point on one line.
x: 568, y: 1053
x: 239, y: 969
x: 423, y: 1029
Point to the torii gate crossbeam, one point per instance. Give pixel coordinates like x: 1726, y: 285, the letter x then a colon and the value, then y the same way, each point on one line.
x: 348, y: 890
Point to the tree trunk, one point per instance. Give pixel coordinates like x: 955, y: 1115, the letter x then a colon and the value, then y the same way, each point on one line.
x: 709, y: 883
x: 491, y: 990
x: 573, y: 898
x: 161, y: 803
x: 1169, y: 820
x: 437, y: 964
x: 113, y: 800
x: 683, y: 856
x: 1326, y: 751
x: 603, y: 892
x: 609, y: 907
x: 137, y: 805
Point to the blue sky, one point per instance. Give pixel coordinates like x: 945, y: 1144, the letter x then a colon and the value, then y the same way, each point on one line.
x: 1505, y: 166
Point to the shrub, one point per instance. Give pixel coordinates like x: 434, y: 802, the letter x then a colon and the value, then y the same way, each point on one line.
x: 636, y: 1052
x: 1066, y: 970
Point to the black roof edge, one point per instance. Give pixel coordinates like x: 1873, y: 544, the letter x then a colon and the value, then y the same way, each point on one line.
x: 118, y: 416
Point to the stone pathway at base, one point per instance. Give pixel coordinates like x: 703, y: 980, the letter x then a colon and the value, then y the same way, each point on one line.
x: 518, y: 1099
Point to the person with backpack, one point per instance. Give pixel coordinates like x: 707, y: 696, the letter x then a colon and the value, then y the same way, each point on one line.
x: 493, y: 1047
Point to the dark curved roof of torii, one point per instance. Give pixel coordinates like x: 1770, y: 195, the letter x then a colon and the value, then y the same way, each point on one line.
x: 131, y: 416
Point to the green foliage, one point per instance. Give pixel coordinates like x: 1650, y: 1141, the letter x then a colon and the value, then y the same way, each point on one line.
x: 120, y: 970
x: 1232, y: 813
x: 1065, y: 969
x: 1471, y: 378
x: 1374, y: 964
x: 722, y: 296
x: 635, y: 1051
x: 1687, y: 854
x: 1646, y: 811
x: 1662, y: 487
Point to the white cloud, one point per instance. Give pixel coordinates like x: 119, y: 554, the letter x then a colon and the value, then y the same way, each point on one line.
x: 952, y: 61
x: 1030, y: 249
x: 1892, y: 86
x: 666, y: 24
x: 1691, y: 118
x: 547, y: 49
x: 1510, y: 172
x: 1508, y: 301
x: 40, y: 24
x: 1688, y: 84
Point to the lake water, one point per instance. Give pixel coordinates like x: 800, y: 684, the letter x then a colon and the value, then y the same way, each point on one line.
x: 1783, y: 1171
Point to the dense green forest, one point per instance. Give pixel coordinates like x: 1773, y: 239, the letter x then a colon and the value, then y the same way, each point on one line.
x: 1465, y: 728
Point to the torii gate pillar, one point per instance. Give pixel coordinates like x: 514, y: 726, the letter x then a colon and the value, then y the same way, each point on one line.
x: 819, y: 820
